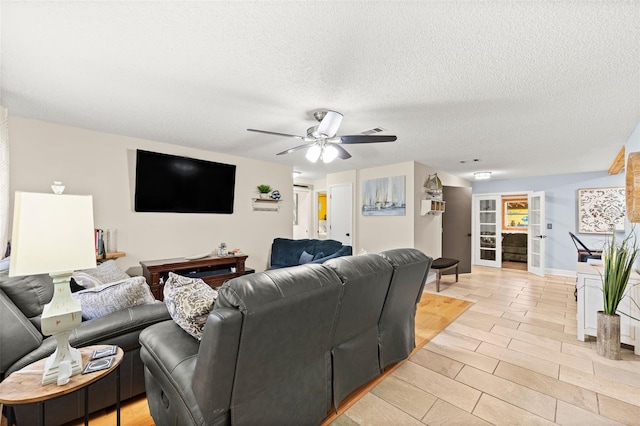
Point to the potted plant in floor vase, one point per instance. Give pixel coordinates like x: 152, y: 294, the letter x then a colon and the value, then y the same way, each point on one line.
x: 619, y: 262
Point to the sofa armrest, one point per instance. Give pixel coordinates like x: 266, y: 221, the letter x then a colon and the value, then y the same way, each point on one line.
x: 120, y: 328
x: 17, y: 335
x: 124, y: 321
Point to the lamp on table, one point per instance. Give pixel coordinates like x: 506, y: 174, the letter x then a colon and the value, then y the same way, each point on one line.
x: 54, y: 234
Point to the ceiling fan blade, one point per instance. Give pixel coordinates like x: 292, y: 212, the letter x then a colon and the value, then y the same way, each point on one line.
x: 367, y: 138
x: 278, y: 134
x: 296, y: 148
x: 342, y: 153
x: 330, y: 124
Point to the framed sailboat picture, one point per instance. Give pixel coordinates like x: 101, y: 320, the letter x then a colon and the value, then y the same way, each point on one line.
x: 384, y: 197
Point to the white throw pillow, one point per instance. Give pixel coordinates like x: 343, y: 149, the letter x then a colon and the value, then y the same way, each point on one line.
x: 107, y: 298
x: 85, y: 280
x: 107, y: 272
x: 189, y: 301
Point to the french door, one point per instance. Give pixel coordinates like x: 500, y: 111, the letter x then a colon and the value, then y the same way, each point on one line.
x: 536, y: 243
x: 487, y: 240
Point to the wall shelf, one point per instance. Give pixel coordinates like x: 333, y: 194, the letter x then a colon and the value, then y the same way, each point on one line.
x: 432, y: 206
x: 265, y: 205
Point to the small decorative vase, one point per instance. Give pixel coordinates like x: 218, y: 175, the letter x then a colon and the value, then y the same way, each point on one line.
x: 264, y: 195
x: 608, y: 335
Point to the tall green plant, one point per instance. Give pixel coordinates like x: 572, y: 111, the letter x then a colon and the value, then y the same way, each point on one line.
x: 618, y: 265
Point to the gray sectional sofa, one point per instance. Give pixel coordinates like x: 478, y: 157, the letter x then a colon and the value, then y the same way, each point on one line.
x: 285, y: 346
x: 21, y: 343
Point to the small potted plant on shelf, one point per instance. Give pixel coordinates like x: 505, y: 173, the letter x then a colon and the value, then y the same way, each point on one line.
x: 618, y: 261
x: 264, y: 190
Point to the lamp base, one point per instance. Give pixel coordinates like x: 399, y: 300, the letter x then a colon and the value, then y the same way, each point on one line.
x: 64, y: 352
x: 59, y: 318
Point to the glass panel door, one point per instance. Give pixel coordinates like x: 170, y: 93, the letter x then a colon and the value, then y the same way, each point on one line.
x: 536, y: 246
x: 487, y: 240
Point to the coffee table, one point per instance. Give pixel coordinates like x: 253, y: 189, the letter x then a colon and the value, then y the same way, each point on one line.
x: 25, y: 385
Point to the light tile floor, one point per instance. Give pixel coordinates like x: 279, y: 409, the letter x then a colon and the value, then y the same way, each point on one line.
x: 511, y: 359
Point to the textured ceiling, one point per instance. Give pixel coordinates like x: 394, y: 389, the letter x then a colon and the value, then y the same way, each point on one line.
x: 529, y: 88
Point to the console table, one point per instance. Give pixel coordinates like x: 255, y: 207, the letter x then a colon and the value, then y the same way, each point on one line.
x: 589, y: 285
x: 214, y: 270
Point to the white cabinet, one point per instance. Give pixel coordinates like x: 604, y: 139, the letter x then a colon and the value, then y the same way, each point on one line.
x: 590, y: 301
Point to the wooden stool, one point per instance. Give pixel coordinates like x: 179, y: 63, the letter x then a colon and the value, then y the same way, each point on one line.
x: 443, y: 264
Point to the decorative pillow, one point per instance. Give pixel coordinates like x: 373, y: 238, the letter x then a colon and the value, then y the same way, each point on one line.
x: 318, y: 256
x: 107, y: 298
x: 107, y: 272
x: 85, y: 280
x: 189, y: 301
x: 305, y: 258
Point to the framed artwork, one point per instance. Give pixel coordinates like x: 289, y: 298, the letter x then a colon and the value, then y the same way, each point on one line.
x: 601, y: 210
x: 384, y: 197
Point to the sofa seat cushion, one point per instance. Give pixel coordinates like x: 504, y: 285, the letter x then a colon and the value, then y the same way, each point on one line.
x: 112, y: 297
x: 189, y: 301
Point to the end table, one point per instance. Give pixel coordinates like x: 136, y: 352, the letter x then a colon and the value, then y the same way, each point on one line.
x: 25, y: 385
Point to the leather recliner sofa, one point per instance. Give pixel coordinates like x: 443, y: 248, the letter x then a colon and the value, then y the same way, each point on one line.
x: 284, y: 346
x: 21, y: 343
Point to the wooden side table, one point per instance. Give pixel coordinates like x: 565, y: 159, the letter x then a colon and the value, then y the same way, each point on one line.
x: 25, y: 385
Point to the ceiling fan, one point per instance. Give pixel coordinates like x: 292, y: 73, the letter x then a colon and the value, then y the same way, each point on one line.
x: 322, y: 142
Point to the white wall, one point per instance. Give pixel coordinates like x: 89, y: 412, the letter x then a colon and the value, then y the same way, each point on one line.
x: 103, y: 165
x: 378, y: 233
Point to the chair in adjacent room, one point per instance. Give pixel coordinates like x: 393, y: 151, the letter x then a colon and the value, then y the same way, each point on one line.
x: 584, y: 252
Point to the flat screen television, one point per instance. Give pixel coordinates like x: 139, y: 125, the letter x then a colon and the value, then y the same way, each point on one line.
x: 173, y: 184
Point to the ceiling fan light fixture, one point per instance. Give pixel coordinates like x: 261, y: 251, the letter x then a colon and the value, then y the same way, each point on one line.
x: 329, y: 153
x: 330, y: 124
x: 313, y: 153
x: 482, y: 175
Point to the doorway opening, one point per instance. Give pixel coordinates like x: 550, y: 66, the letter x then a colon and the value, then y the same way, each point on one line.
x: 515, y: 226
x: 322, y: 215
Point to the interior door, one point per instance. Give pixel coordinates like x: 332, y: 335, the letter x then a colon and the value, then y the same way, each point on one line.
x: 304, y: 205
x: 487, y: 239
x: 456, y: 226
x: 536, y: 243
x: 340, y: 213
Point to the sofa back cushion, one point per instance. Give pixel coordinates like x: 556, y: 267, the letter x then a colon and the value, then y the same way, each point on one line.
x: 282, y: 372
x: 29, y: 293
x: 286, y: 252
x: 397, y: 322
x: 355, y: 343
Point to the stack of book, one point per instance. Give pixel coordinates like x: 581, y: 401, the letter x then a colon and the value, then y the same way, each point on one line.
x: 99, y: 240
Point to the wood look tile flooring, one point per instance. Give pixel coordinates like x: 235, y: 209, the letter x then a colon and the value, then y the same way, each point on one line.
x: 511, y: 359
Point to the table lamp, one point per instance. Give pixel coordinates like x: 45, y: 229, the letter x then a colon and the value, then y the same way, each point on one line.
x: 53, y: 233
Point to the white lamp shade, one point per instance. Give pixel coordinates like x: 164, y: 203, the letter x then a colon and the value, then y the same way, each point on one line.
x: 314, y: 153
x: 52, y: 233
x: 330, y: 153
